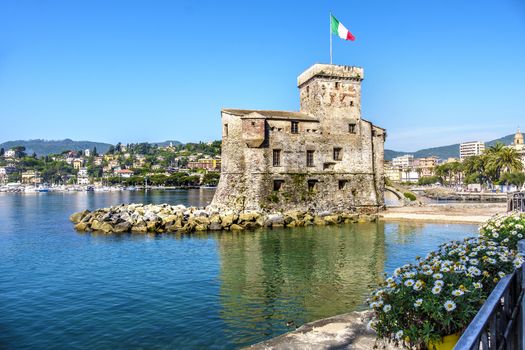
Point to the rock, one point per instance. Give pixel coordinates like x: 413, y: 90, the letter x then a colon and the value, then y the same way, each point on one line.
x: 81, y: 226
x: 319, y: 221
x: 95, y: 225
x: 201, y: 227
x: 248, y: 217
x: 77, y: 217
x: 228, y: 220
x: 236, y: 227
x: 106, y: 227
x: 215, y: 226
x: 199, y: 213
x: 203, y: 220
x: 275, y: 220
x: 122, y: 227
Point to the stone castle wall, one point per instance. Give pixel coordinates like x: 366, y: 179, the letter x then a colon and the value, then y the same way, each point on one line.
x: 330, y: 118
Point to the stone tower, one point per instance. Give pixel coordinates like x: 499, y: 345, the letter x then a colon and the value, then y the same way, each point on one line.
x: 518, y: 138
x: 323, y: 158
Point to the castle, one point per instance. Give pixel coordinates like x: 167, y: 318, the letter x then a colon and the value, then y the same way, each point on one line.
x: 324, y: 158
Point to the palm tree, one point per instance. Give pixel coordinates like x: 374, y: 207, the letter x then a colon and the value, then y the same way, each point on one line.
x: 503, y: 159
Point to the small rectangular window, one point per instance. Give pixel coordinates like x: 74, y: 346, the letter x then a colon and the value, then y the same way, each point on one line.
x: 351, y: 128
x: 309, y: 158
x: 277, y: 185
x: 225, y: 129
x: 337, y: 85
x: 295, y: 127
x: 308, y: 91
x: 338, y: 154
x: 312, y: 185
x: 276, y: 157
x: 342, y: 184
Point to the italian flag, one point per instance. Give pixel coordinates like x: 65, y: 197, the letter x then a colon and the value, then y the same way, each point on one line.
x: 340, y: 30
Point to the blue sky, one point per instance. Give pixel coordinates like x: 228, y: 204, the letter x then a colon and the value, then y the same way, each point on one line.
x: 436, y: 72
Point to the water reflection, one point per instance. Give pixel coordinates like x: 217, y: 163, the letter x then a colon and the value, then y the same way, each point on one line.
x: 271, y: 278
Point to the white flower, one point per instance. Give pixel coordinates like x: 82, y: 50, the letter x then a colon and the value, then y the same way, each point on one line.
x: 399, y: 334
x: 457, y: 292
x: 477, y: 285
x: 371, y: 324
x: 387, y: 308
x: 439, y: 283
x: 409, y: 283
x: 438, y: 276
x: 450, y: 305
x: 501, y: 274
x: 427, y: 272
x: 520, y: 235
x: 418, y: 303
x: 418, y: 285
x: 495, y: 235
x: 436, y: 290
x: 474, y: 261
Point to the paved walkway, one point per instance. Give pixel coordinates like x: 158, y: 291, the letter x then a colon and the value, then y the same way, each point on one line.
x: 347, y: 331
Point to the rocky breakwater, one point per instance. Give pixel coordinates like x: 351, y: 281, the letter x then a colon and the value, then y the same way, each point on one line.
x: 164, y: 218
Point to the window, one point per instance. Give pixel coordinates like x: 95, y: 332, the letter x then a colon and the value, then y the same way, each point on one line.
x: 277, y: 185
x: 351, y: 128
x: 342, y: 184
x: 351, y: 103
x: 225, y: 129
x: 308, y: 91
x: 337, y: 85
x: 309, y: 158
x: 276, y: 157
x: 295, y: 127
x: 338, y: 154
x: 311, y: 185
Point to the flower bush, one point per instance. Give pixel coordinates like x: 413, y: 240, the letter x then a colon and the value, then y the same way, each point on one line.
x: 440, y: 294
x: 505, y: 229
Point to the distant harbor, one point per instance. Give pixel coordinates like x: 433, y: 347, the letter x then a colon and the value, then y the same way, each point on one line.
x: 21, y: 188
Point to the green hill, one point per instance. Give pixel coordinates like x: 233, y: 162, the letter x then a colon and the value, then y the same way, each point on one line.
x: 45, y: 147
x: 444, y: 152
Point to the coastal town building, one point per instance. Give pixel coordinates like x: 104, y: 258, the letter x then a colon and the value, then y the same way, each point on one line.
x: 426, y: 166
x: 31, y: 177
x: 211, y: 164
x: 78, y: 163
x: 323, y: 158
x: 10, y: 153
x: 519, y: 146
x: 124, y: 173
x: 82, y: 176
x: 403, y: 162
x: 471, y: 148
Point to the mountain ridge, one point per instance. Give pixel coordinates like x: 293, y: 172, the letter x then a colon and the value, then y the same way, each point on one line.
x: 44, y: 147
x: 444, y: 152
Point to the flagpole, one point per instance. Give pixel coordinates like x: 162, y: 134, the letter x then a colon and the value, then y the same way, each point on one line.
x: 330, y: 23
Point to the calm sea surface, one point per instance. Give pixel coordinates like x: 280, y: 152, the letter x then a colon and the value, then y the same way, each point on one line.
x: 60, y: 289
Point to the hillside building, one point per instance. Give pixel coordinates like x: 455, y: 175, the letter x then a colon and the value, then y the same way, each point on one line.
x: 471, y: 148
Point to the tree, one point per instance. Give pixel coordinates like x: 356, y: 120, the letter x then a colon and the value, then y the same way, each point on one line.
x: 513, y: 178
x: 111, y: 149
x: 95, y: 153
x: 19, y: 151
x: 2, y: 152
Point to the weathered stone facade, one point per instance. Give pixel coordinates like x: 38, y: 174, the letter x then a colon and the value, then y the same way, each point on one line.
x: 324, y: 158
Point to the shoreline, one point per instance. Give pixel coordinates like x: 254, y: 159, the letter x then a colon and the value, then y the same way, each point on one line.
x: 466, y: 213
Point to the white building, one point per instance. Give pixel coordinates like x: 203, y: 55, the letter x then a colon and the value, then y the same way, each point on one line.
x: 403, y: 162
x: 87, y: 152
x: 469, y: 149
x: 82, y: 176
x: 10, y: 153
